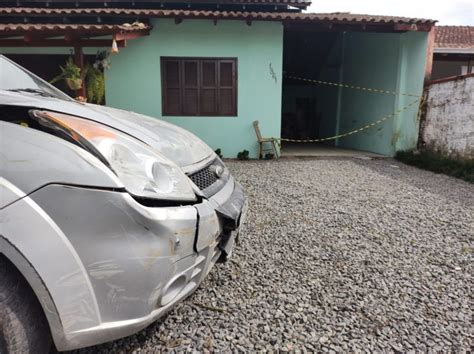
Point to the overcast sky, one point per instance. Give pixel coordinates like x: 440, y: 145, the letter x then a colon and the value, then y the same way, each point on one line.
x: 447, y: 12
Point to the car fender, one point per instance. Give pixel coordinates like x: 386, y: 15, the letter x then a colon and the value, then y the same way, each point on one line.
x: 33, y: 242
x: 31, y: 239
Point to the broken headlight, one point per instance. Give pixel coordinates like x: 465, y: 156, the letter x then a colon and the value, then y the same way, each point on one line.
x: 142, y: 170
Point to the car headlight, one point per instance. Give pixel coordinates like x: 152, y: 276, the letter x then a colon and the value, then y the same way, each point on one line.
x: 141, y: 169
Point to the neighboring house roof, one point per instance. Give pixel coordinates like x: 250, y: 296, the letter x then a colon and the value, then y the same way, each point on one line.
x: 454, y: 39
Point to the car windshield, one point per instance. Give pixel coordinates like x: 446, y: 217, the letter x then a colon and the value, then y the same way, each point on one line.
x: 15, y: 78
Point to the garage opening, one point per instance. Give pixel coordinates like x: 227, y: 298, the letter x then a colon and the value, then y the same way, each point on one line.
x: 386, y: 59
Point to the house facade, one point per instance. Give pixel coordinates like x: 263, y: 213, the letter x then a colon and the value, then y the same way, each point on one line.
x: 214, y: 67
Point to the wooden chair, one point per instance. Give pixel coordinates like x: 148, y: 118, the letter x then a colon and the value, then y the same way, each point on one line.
x: 262, y: 141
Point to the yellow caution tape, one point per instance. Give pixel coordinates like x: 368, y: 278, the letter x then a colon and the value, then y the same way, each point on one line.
x: 367, y: 126
x: 352, y: 86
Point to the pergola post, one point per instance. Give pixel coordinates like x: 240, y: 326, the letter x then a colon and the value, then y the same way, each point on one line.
x: 79, y: 61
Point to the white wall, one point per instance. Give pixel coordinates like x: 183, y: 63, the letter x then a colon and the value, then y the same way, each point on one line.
x: 448, y: 128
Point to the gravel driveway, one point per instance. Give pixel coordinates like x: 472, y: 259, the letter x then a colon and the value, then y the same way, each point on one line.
x: 338, y: 254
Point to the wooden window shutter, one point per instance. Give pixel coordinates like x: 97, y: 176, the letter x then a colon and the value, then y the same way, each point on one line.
x: 199, y: 86
x: 190, y: 87
x: 227, y: 87
x: 172, y: 87
x: 208, y: 87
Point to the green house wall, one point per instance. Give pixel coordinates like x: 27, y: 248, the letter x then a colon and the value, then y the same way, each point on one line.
x: 133, y: 81
x: 391, y: 61
x: 388, y: 61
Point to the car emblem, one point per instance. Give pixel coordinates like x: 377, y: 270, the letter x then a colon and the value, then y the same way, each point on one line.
x: 217, y: 170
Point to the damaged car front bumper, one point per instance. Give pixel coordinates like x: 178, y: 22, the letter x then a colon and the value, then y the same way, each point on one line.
x: 133, y: 262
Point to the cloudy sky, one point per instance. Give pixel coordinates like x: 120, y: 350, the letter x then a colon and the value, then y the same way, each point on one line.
x: 447, y: 12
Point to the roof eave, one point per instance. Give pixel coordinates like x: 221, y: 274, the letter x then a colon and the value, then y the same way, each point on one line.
x: 453, y: 50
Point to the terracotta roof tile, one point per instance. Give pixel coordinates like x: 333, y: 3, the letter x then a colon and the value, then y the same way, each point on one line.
x: 454, y: 37
x: 264, y: 16
x: 257, y: 2
x: 19, y: 28
x: 150, y: 3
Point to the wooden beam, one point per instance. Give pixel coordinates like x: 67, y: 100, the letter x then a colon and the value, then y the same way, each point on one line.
x: 32, y: 37
x: 69, y: 37
x: 28, y: 38
x: 412, y: 27
x: 337, y: 27
x: 355, y: 27
x: 131, y: 35
x: 59, y: 43
x: 404, y: 27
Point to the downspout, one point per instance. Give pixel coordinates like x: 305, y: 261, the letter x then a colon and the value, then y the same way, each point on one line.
x: 339, y: 89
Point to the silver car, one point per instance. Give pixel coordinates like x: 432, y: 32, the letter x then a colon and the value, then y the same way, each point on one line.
x: 108, y: 218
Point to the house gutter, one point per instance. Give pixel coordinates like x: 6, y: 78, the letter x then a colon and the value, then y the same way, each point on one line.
x: 454, y: 50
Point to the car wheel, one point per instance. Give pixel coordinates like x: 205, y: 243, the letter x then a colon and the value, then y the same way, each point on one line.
x: 23, y: 326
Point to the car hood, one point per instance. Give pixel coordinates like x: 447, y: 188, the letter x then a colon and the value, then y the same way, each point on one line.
x: 173, y: 142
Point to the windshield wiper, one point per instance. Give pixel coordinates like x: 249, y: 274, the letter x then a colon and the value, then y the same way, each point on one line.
x: 35, y: 91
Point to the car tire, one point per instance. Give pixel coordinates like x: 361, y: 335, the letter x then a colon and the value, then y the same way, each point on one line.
x: 23, y: 326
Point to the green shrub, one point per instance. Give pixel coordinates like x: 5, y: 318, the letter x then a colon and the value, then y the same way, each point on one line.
x: 243, y: 155
x: 463, y: 169
x: 95, y: 85
x: 218, y: 153
x: 269, y: 156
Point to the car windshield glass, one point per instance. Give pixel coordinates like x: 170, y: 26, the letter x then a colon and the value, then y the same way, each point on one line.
x: 15, y: 78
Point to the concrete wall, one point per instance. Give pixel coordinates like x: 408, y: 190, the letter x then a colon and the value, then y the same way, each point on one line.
x: 370, y: 60
x: 388, y: 61
x: 411, y: 66
x: 330, y: 96
x: 448, y: 127
x: 133, y: 81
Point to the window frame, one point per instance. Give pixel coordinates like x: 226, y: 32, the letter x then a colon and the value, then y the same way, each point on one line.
x: 182, y: 86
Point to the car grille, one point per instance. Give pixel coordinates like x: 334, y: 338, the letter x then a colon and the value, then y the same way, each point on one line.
x: 204, y: 178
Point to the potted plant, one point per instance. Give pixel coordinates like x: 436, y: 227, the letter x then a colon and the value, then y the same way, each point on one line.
x: 71, y: 74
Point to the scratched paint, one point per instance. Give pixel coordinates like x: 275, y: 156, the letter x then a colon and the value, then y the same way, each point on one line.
x: 104, y: 269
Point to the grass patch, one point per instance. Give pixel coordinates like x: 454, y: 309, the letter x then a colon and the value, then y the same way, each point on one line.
x: 463, y: 169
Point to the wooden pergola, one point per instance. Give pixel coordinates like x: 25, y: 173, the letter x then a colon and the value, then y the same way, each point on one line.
x: 77, y: 36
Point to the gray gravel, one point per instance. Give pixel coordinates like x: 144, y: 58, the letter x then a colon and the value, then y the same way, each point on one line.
x: 338, y: 254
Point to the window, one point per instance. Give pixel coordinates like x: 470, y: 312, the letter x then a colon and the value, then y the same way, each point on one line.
x: 199, y: 86
x: 465, y: 69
